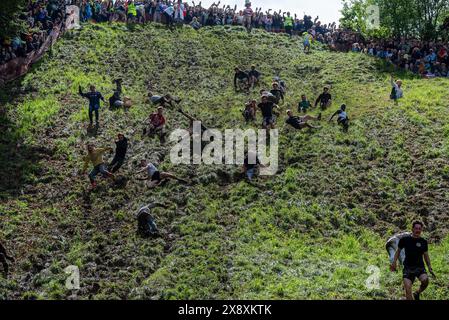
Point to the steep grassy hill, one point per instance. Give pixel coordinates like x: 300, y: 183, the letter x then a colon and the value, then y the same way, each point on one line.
x: 311, y: 232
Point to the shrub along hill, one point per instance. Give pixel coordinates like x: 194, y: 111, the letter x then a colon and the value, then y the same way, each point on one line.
x: 310, y: 232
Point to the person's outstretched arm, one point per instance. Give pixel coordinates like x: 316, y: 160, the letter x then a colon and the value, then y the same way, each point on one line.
x: 336, y: 112
x: 318, y: 100
x: 80, y: 91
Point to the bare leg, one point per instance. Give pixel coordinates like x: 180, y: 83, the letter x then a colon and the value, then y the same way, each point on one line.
x: 408, y: 289
x: 166, y: 175
x: 424, y: 278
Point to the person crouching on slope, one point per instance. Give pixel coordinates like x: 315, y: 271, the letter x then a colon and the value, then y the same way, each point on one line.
x: 95, y: 156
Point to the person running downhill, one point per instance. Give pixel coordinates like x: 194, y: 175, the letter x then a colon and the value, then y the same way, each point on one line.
x: 120, y: 153
x: 301, y: 122
x: 277, y: 93
x: 3, y: 260
x: 155, y: 176
x: 343, y: 118
x: 415, y: 249
x: 94, y: 98
x: 324, y: 99
x: 267, y: 107
x: 95, y: 156
x: 250, y: 111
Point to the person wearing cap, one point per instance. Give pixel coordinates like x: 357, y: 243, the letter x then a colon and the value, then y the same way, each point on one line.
x: 343, y: 118
x: 300, y: 123
x: 324, y: 99
x: 146, y: 224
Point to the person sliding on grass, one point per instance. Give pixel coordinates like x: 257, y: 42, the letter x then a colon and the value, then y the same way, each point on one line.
x: 396, y: 91
x: 301, y: 122
x: 146, y: 225
x: 267, y: 107
x: 392, y: 247
x: 120, y: 153
x: 304, y: 105
x: 157, y: 124
x: 3, y: 257
x: 241, y: 80
x: 324, y: 99
x: 95, y: 156
x: 155, y: 176
x: 250, y: 111
x: 415, y: 249
x: 163, y: 101
x: 94, y: 98
x: 343, y: 118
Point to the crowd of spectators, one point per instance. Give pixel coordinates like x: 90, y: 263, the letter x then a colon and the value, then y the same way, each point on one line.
x: 40, y: 18
x: 425, y: 58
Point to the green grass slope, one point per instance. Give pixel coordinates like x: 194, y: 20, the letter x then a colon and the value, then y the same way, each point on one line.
x: 311, y: 232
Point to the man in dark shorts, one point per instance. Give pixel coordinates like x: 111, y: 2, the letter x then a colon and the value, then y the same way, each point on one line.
x: 342, y: 118
x: 301, y: 122
x: 254, y: 76
x: 267, y: 107
x: 415, y: 249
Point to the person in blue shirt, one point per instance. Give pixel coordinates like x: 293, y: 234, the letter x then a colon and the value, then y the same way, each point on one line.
x: 94, y: 98
x: 342, y: 118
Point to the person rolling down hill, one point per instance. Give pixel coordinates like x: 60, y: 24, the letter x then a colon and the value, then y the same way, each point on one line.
x: 324, y: 99
x: 95, y: 156
x: 392, y: 247
x: 120, y: 153
x: 415, y: 249
x: 304, y: 105
x: 155, y: 176
x: 301, y: 122
x: 163, y: 101
x: 146, y: 225
x: 94, y: 98
x: 343, y: 118
x: 3, y: 259
x: 250, y: 165
x: 241, y: 80
x: 396, y: 91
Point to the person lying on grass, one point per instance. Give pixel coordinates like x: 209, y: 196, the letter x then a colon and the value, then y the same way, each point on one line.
x: 155, y: 176
x: 163, y: 101
x: 95, y: 156
x: 300, y: 123
x: 342, y: 118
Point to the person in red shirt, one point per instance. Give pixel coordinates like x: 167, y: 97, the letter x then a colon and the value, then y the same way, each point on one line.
x: 156, y: 123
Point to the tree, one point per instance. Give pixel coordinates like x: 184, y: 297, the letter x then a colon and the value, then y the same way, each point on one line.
x: 10, y: 24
